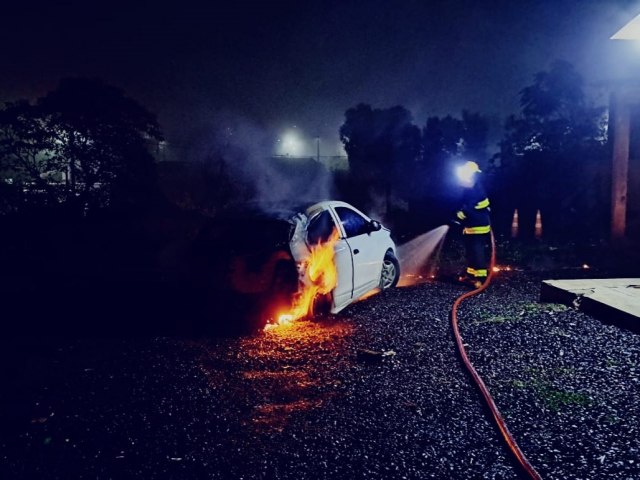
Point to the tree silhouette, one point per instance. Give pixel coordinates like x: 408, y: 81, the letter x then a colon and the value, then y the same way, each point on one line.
x: 382, y: 146
x: 555, y: 116
x: 83, y: 145
x: 27, y: 155
x: 445, y: 140
x: 475, y: 131
x: 547, y: 147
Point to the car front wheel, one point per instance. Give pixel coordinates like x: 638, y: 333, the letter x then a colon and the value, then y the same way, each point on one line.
x: 390, y: 271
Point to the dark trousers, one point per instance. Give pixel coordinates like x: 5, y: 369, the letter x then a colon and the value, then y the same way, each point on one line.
x: 476, y: 246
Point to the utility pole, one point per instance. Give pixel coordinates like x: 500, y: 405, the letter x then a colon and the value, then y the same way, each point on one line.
x: 620, y: 167
x: 318, y: 148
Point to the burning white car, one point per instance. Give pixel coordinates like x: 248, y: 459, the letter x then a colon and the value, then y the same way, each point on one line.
x: 341, y: 255
x: 277, y: 265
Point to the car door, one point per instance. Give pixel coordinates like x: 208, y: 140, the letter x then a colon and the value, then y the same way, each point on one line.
x: 367, y: 259
x: 321, y: 225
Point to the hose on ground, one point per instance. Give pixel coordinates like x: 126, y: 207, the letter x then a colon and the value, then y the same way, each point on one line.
x: 497, y: 416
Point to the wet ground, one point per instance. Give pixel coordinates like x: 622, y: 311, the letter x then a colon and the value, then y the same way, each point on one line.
x: 309, y: 402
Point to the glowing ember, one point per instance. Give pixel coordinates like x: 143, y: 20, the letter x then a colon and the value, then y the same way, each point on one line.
x: 498, y: 268
x: 321, y: 278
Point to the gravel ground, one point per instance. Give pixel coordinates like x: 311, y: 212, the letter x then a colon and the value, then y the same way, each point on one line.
x: 301, y: 402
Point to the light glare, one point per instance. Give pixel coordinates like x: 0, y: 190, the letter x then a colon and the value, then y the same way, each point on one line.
x: 290, y: 144
x: 631, y: 31
x: 466, y: 172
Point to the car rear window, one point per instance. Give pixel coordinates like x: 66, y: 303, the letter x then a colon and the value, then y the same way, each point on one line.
x: 320, y: 228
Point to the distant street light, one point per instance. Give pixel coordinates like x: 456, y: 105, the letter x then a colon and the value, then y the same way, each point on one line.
x: 290, y: 144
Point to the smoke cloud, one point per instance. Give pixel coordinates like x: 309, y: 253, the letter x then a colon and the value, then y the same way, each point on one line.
x: 247, y: 152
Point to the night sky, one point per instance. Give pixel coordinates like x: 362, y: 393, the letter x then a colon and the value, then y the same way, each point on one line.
x: 274, y: 65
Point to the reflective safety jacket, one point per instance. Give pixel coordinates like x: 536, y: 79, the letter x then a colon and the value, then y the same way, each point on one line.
x: 474, y: 214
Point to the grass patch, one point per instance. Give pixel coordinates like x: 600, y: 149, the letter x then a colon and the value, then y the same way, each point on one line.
x: 518, y: 310
x: 544, y: 307
x: 519, y: 384
x: 560, y: 332
x: 611, y: 420
x: 611, y: 362
x: 554, y: 398
x: 493, y: 319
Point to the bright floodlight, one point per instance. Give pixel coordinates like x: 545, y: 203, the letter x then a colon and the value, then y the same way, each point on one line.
x: 291, y: 144
x: 631, y: 31
x: 466, y: 171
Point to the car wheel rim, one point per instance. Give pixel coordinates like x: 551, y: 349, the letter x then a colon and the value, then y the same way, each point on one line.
x: 388, y: 273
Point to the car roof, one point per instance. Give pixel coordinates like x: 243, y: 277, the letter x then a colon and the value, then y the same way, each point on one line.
x: 332, y: 203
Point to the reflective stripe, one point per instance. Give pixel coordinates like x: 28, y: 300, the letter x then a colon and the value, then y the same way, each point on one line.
x: 461, y: 215
x: 477, y: 230
x: 482, y: 272
x: 483, y: 204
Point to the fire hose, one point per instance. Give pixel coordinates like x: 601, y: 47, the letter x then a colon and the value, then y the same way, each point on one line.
x: 497, y: 416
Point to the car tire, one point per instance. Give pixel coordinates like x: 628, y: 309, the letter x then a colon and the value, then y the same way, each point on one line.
x: 390, y: 273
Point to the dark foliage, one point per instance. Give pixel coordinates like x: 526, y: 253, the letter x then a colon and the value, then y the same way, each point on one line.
x: 553, y: 156
x: 83, y: 146
x: 404, y: 174
x: 383, y: 146
x: 188, y: 185
x: 445, y: 141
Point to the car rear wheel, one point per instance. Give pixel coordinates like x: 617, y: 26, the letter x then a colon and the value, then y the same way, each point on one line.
x: 390, y: 271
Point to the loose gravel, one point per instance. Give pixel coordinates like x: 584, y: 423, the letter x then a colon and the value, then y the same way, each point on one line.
x: 375, y: 392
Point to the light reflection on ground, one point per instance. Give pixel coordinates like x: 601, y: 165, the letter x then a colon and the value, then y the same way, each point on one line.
x: 409, y: 280
x: 283, y: 371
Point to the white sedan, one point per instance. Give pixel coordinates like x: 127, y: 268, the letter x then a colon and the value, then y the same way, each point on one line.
x: 365, y: 254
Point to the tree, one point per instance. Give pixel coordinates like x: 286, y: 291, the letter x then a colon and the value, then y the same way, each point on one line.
x: 84, y: 145
x: 441, y: 138
x: 451, y: 137
x: 382, y: 145
x: 445, y: 140
x: 548, y: 146
x: 555, y: 116
x: 474, y: 137
x: 27, y: 157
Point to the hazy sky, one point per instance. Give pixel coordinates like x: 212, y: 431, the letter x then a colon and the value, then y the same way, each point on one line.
x: 280, y: 64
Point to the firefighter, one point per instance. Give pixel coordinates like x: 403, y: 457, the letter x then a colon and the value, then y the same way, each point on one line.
x: 473, y: 216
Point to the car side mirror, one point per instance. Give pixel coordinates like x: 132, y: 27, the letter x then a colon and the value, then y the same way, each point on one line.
x: 375, y: 225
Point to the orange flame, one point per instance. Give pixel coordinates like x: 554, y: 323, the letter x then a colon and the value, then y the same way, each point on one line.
x: 322, y: 278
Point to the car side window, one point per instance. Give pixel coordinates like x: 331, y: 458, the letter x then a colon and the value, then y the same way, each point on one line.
x: 320, y: 228
x: 354, y: 224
